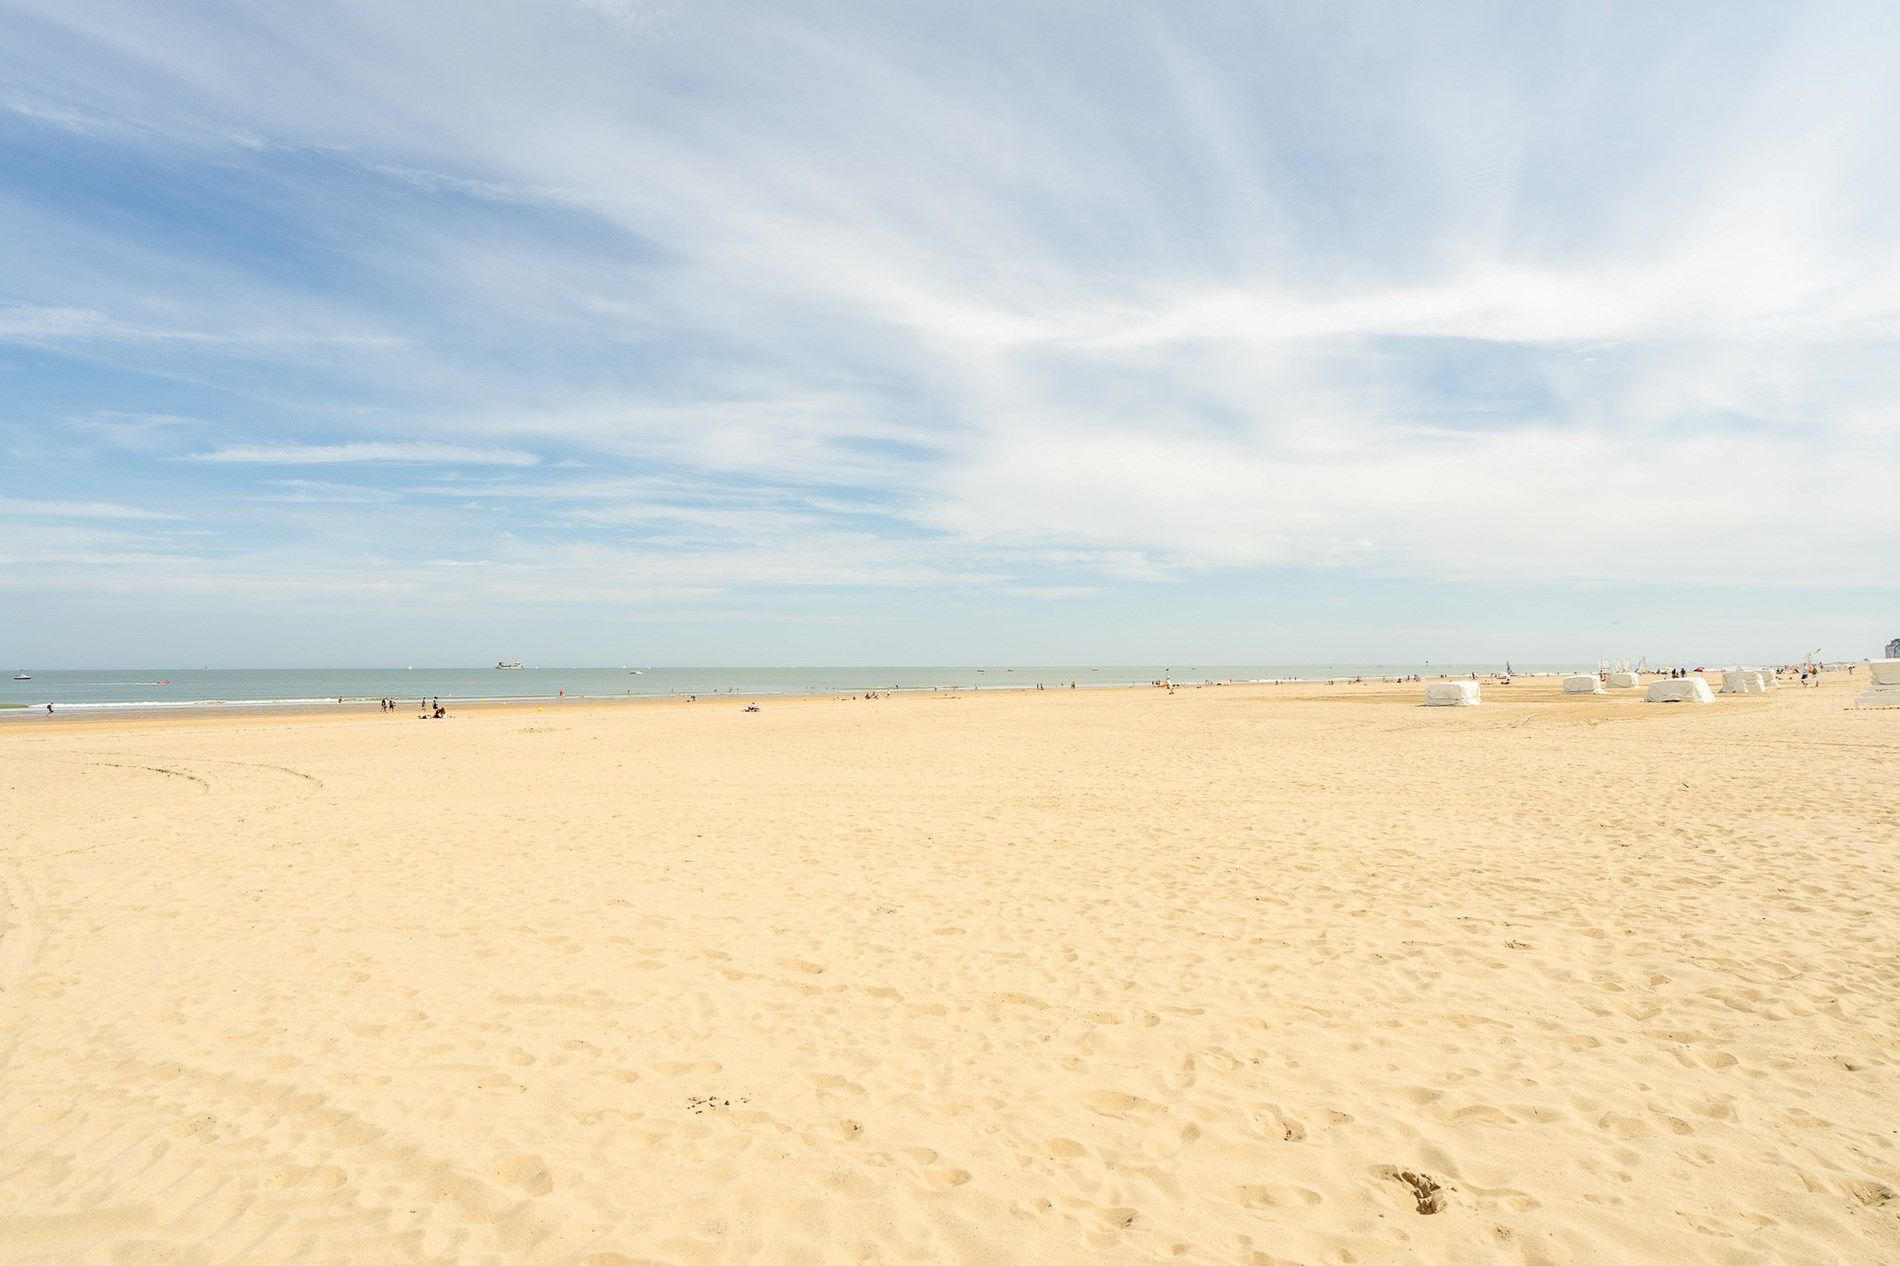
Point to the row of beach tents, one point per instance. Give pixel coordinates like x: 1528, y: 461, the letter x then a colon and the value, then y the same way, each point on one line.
x: 1882, y: 691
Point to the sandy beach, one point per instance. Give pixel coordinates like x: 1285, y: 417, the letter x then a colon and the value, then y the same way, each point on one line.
x: 1263, y: 975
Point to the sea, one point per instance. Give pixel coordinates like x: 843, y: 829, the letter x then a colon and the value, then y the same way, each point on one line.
x: 166, y: 688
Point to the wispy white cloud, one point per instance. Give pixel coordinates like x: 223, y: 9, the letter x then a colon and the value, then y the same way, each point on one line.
x: 423, y: 451
x: 321, y: 492
x: 23, y: 507
x: 42, y: 325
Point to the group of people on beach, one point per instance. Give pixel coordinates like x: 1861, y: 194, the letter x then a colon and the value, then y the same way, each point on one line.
x: 431, y: 709
x: 1809, y: 674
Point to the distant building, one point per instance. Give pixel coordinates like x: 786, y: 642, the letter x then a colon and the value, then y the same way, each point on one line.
x: 1893, y: 649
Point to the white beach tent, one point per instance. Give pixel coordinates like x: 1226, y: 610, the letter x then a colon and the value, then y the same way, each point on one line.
x: 1743, y: 681
x: 1690, y: 689
x: 1582, y: 684
x: 1451, y: 694
x: 1884, y: 690
x: 1622, y: 681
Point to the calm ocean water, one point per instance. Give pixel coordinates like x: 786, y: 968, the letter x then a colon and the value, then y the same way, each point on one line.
x: 213, y: 687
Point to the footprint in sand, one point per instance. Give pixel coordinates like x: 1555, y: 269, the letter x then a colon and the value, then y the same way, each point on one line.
x: 827, y: 1084
x: 1429, y: 1193
x: 1274, y: 1196
x: 526, y: 1174
x: 1113, y: 1103
x: 1872, y: 1194
x: 1270, y: 1121
x: 928, y: 1168
x: 841, y: 1129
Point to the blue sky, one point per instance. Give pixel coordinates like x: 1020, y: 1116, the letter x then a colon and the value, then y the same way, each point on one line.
x: 609, y: 332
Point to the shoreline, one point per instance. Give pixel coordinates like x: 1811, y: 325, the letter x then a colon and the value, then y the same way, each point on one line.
x: 353, y: 703
x: 144, y: 689
x: 355, y: 708
x: 1523, y: 688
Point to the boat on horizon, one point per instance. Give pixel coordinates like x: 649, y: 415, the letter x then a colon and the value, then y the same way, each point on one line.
x: 22, y: 675
x: 502, y: 663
